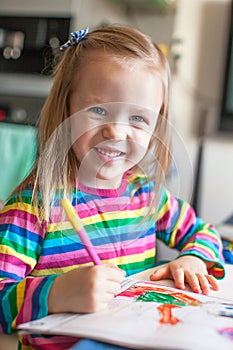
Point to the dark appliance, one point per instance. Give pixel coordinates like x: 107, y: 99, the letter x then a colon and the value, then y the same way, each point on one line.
x: 27, y: 43
x: 27, y: 47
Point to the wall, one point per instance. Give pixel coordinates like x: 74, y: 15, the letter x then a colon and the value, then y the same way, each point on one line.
x: 200, y: 68
x: 216, y: 200
x: 202, y: 29
x: 91, y: 13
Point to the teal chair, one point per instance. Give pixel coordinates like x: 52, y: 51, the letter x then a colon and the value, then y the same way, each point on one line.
x: 18, y: 145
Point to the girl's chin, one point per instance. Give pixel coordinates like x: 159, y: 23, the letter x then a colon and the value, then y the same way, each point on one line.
x: 101, y: 181
x: 108, y: 182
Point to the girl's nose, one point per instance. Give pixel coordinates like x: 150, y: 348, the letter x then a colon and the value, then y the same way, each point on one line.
x: 114, y: 131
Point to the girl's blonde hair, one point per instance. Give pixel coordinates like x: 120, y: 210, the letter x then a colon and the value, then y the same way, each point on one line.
x: 57, y: 165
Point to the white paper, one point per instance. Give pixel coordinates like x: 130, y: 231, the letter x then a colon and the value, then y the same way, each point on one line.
x: 138, y: 324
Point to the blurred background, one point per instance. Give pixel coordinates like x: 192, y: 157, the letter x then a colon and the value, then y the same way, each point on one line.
x: 197, y: 39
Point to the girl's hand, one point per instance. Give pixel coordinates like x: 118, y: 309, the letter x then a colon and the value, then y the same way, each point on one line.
x: 187, y: 269
x: 85, y: 289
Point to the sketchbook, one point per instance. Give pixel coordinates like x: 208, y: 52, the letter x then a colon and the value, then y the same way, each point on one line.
x: 146, y: 315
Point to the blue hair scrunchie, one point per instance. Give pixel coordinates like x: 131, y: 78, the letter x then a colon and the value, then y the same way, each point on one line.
x: 76, y: 37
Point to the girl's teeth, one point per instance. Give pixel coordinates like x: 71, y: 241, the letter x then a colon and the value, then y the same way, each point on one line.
x: 107, y: 153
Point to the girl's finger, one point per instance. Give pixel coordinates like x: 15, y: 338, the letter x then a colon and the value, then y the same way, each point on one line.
x: 160, y: 273
x: 213, y: 282
x: 178, y: 276
x: 193, y: 281
x: 204, y: 283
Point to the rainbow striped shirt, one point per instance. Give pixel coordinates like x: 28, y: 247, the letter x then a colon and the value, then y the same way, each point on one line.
x: 32, y: 255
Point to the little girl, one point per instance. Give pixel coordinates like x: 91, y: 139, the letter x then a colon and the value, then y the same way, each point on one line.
x: 104, y: 144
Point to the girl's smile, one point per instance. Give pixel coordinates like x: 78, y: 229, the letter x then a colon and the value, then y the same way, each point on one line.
x: 109, y: 155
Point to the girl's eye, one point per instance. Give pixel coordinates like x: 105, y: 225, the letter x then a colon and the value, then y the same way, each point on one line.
x: 137, y: 118
x: 98, y: 110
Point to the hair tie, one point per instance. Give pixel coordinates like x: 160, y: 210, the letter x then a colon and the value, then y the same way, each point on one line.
x: 76, y: 37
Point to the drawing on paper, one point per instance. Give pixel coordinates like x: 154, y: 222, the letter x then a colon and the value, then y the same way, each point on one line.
x: 159, y: 294
x: 226, y: 332
x: 169, y: 300
x: 167, y: 317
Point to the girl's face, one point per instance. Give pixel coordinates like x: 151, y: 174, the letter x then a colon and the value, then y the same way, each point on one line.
x: 114, y: 108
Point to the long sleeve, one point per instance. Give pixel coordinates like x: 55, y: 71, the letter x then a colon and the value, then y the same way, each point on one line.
x: 22, y: 295
x: 178, y: 227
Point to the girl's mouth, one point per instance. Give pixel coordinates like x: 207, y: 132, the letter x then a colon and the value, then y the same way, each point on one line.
x: 108, y: 154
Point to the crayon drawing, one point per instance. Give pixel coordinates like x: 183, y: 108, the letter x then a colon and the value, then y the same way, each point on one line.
x: 226, y: 332
x: 167, y: 317
x: 159, y: 294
